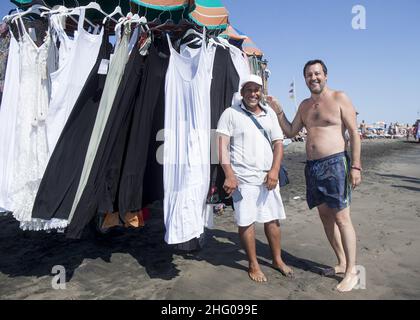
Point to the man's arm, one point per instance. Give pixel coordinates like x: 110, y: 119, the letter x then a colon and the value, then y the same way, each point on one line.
x: 272, y: 178
x: 289, y: 129
x: 348, y: 115
x: 231, y: 183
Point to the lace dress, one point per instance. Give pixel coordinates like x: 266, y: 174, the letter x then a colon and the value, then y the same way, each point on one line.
x: 31, y: 151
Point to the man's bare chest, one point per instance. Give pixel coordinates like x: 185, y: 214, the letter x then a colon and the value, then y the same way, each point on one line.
x: 322, y: 114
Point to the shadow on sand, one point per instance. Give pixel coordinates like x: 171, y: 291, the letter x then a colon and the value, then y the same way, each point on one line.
x: 223, y: 248
x: 26, y: 253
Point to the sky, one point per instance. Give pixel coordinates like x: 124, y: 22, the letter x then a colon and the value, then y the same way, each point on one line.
x: 378, y: 66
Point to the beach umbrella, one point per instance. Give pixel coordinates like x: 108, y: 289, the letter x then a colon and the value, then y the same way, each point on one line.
x: 162, y: 9
x: 250, y: 48
x: 209, y: 13
x: 163, y: 5
x: 232, y: 33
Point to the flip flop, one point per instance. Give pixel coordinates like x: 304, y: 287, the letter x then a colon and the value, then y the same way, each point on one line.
x: 290, y: 275
x: 328, y: 272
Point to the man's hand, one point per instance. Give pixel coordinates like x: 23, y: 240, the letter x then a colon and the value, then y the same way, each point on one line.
x: 231, y: 183
x: 355, y: 178
x: 272, y: 179
x: 274, y: 104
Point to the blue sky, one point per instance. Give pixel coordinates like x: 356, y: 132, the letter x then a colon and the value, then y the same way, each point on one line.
x: 379, y: 67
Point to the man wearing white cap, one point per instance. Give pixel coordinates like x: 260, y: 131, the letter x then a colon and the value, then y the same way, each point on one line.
x: 250, y: 152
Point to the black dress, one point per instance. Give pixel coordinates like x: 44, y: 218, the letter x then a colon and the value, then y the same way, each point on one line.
x: 224, y: 84
x: 61, y: 179
x: 145, y: 123
x: 115, y: 182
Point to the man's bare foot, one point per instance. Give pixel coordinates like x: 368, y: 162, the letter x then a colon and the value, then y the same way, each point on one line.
x: 257, y: 275
x: 348, y: 283
x: 284, y: 269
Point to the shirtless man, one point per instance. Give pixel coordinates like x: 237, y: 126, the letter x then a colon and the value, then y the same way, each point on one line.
x: 326, y: 115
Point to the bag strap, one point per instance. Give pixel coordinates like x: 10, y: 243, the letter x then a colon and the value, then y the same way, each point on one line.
x: 259, y: 126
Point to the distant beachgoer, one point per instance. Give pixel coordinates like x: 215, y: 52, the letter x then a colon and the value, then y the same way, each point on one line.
x: 363, y: 128
x: 418, y: 132
x: 251, y: 160
x: 327, y: 114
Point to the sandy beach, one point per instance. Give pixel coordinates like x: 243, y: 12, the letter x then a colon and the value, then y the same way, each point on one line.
x: 137, y: 264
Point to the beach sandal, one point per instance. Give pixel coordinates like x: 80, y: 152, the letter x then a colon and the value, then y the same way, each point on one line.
x: 290, y: 275
x: 328, y: 272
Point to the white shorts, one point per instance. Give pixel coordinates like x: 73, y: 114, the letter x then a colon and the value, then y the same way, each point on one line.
x: 258, y: 205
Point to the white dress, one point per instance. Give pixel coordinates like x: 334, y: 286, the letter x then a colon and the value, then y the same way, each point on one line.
x: 186, y: 168
x: 8, y: 113
x: 30, y: 150
x: 66, y: 43
x: 69, y: 80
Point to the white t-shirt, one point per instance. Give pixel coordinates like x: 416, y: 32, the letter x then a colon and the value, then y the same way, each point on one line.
x: 251, y: 154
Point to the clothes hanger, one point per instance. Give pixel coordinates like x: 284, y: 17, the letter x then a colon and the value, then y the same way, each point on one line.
x: 117, y: 10
x: 122, y: 20
x: 36, y: 9
x: 168, y: 24
x: 12, y: 10
x: 156, y: 21
x: 63, y: 9
x: 91, y: 5
x: 137, y: 19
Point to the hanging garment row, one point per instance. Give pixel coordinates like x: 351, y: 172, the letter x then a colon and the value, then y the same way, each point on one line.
x: 81, y: 124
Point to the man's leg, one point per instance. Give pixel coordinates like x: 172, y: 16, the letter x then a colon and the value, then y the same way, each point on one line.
x: 332, y: 231
x: 273, y: 234
x: 247, y: 236
x: 348, y: 238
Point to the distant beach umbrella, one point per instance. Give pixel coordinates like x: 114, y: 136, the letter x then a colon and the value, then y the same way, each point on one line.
x: 232, y: 33
x: 209, y: 13
x: 250, y: 48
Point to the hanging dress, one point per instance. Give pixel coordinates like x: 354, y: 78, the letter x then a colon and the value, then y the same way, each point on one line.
x: 4, y: 53
x: 224, y: 85
x: 115, y: 73
x: 115, y: 181
x: 130, y: 195
x: 96, y: 196
x: 8, y: 112
x: 61, y: 39
x: 240, y: 61
x: 187, y: 145
x: 61, y: 179
x: 71, y: 77
x: 30, y: 146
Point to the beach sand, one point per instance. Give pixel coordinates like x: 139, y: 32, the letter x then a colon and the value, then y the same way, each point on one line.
x: 137, y: 264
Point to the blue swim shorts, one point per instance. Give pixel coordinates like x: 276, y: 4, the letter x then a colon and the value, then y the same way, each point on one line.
x: 327, y: 181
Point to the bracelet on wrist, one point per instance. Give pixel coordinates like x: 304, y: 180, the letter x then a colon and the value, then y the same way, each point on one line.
x: 356, y: 168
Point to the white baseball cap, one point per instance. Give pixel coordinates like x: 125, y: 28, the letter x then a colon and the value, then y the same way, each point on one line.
x: 252, y: 78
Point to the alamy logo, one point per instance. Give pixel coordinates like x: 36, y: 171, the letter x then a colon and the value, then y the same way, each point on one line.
x: 359, y: 20
x: 58, y: 282
x: 361, y: 274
